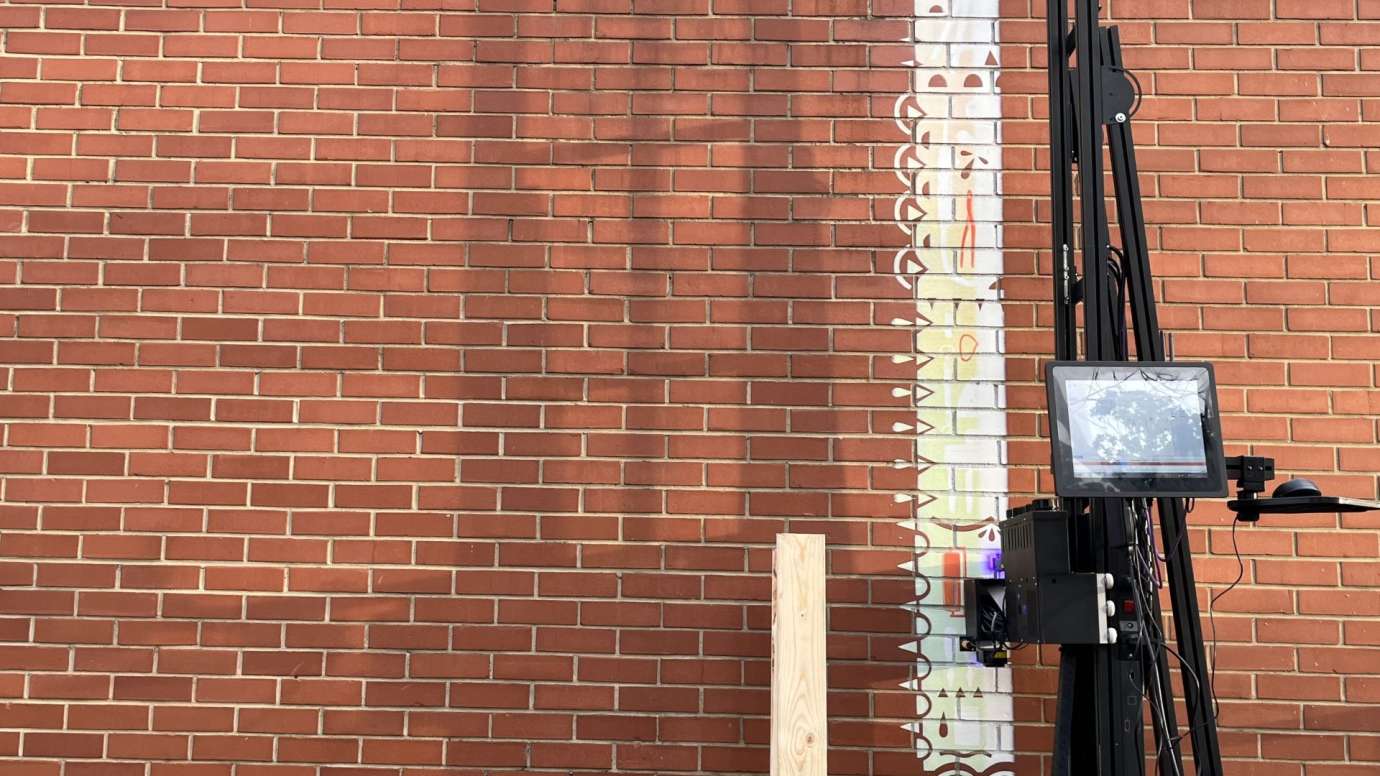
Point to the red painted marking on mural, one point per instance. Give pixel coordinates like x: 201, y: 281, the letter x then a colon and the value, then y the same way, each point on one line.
x: 967, y: 247
x: 953, y: 578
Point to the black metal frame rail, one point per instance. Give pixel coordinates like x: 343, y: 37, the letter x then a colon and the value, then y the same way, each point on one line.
x: 1099, y: 728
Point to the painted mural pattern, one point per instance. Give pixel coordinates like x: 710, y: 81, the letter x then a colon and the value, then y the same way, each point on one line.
x: 951, y: 212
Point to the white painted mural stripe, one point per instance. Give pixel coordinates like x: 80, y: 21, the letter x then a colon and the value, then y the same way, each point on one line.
x: 950, y: 165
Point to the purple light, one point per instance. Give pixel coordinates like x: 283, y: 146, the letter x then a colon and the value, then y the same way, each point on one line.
x: 994, y: 562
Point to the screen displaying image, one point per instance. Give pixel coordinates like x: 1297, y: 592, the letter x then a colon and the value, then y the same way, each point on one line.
x: 1136, y: 425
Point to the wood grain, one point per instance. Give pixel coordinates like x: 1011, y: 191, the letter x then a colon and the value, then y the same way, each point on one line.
x: 799, y: 742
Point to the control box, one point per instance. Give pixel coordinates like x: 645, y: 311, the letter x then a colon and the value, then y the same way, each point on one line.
x: 1045, y: 601
x: 1035, y: 543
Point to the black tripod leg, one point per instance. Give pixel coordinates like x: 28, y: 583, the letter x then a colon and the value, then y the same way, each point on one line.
x: 1062, y: 140
x: 1098, y: 330
x: 1075, y: 746
x: 1066, y: 711
x: 1115, y: 695
x: 1188, y: 628
x: 1126, y: 189
x: 1063, y: 719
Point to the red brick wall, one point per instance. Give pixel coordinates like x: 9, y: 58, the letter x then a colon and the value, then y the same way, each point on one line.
x: 1259, y: 175
x: 400, y: 389
x: 390, y: 388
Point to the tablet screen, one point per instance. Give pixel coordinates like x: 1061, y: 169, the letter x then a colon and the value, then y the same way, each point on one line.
x: 1135, y: 429
x: 1136, y: 426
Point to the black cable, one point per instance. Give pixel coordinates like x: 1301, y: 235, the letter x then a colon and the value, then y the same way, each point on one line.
x: 1156, y: 636
x: 1146, y: 591
x: 1138, y: 580
x: 1116, y: 268
x: 1133, y: 528
x: 1160, y: 640
x: 1212, y: 621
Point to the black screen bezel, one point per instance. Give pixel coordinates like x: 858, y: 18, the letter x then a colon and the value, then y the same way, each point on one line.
x: 1066, y: 484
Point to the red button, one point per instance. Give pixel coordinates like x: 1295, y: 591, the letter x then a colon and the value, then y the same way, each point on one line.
x: 1128, y: 606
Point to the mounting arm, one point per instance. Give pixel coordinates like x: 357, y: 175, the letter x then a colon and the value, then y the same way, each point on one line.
x: 1296, y: 496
